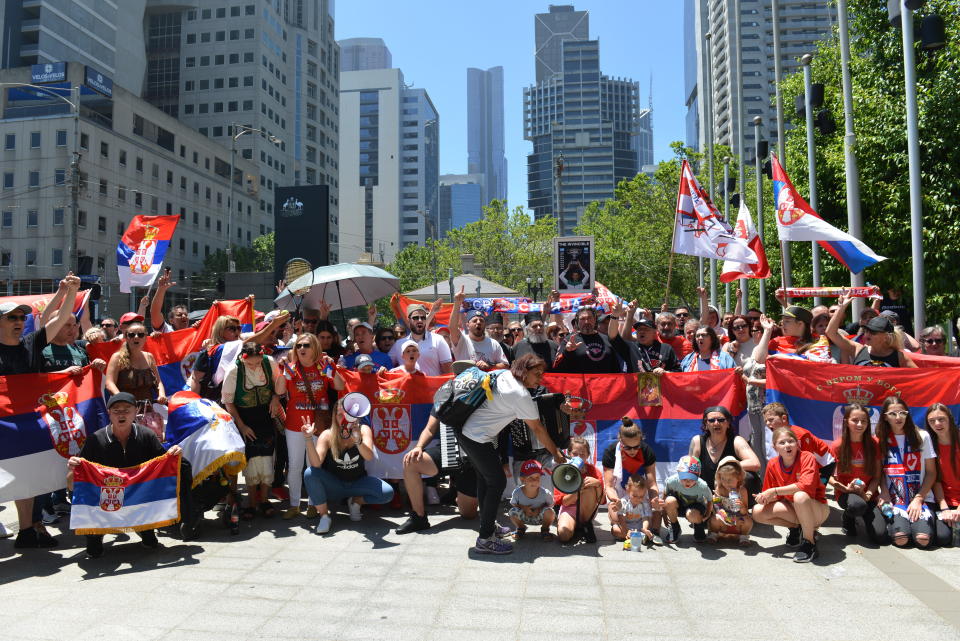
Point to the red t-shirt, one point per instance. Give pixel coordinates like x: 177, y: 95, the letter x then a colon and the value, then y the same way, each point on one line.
x: 856, y: 462
x: 783, y: 345
x: 949, y: 475
x: 299, y: 406
x: 681, y: 346
x: 813, y: 444
x: 588, y: 470
x: 804, y: 472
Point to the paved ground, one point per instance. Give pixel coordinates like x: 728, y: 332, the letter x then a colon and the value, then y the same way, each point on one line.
x: 277, y: 580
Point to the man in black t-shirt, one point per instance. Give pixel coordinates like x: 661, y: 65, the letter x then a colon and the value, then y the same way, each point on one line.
x: 586, y: 351
x: 646, y: 353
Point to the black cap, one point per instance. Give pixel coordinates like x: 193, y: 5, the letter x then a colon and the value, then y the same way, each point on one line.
x: 799, y: 313
x: 644, y: 322
x: 532, y: 316
x: 473, y: 313
x: 121, y: 397
x: 880, y: 324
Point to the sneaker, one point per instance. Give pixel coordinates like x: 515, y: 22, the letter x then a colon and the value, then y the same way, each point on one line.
x: 806, y: 553
x: 493, y: 545
x: 504, y: 532
x: 794, y: 537
x: 354, y: 507
x: 4, y: 532
x: 49, y: 518
x: 415, y: 523
x: 311, y: 512
x: 648, y: 540
x: 31, y: 538
x: 745, y: 540
x: 699, y: 533
x: 95, y: 547
x: 148, y: 539
x: 657, y: 540
x: 849, y: 526
x: 323, y: 525
x: 291, y: 512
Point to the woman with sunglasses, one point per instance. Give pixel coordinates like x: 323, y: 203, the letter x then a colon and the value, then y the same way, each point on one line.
x: 882, y: 342
x: 719, y: 440
x: 133, y: 370
x: 741, y: 343
x: 310, y: 382
x: 933, y: 341
x: 226, y: 329
x: 706, y: 354
x: 908, y: 472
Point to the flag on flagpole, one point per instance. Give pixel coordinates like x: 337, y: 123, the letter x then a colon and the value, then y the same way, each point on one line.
x: 108, y: 500
x: 700, y: 230
x: 796, y: 220
x: 745, y: 230
x: 141, y: 250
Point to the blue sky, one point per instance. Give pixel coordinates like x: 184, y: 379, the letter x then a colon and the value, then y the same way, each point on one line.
x: 434, y: 42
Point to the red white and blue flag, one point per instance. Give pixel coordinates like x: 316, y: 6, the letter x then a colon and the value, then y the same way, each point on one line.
x: 796, y: 220
x: 44, y: 420
x: 142, y: 248
x: 107, y: 500
x: 733, y: 270
x: 207, y: 434
x: 38, y: 303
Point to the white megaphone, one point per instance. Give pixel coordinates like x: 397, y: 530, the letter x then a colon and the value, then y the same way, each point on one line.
x: 355, y: 406
x: 568, y: 477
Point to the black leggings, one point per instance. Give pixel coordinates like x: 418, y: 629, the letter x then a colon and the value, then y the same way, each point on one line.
x: 491, y: 481
x: 854, y: 506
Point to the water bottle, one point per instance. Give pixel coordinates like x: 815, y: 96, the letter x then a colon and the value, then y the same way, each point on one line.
x: 857, y: 483
x: 735, y: 501
x: 235, y: 519
x: 887, y: 511
x: 636, y: 541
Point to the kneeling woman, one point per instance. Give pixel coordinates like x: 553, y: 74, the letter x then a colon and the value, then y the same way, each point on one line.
x: 793, y: 495
x: 337, y: 469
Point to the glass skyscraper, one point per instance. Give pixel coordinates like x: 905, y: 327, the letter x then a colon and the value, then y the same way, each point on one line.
x: 485, y: 141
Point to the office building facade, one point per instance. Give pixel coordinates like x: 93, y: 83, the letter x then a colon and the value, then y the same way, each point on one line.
x: 485, y: 137
x: 362, y: 54
x: 461, y: 200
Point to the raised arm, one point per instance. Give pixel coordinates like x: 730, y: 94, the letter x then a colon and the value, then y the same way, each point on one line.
x: 847, y: 347
x: 156, y: 305
x: 702, y: 295
x: 53, y: 306
x: 70, y: 284
x: 455, y: 317
x: 435, y: 308
x: 763, y: 345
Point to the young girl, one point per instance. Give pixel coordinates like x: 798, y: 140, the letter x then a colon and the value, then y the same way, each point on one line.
x: 857, y: 474
x: 634, y: 513
x: 731, y: 514
x: 946, y: 442
x: 793, y: 495
x: 908, y: 474
x: 569, y: 523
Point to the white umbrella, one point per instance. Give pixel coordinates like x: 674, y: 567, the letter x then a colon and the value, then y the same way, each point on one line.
x: 343, y: 285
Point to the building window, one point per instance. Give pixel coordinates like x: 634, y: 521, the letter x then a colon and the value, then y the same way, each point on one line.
x: 103, y: 186
x: 34, y: 140
x: 221, y: 36
x: 183, y: 246
x: 196, y: 248
x: 190, y: 62
x: 31, y: 256
x: 191, y: 38
x: 34, y: 179
x: 120, y: 229
x: 138, y: 198
x: 4, y: 259
x: 33, y: 218
x: 56, y: 257
x: 102, y: 224
x: 188, y: 109
x: 123, y: 158
x: 248, y: 57
x: 7, y: 220
x: 139, y: 165
x: 122, y: 194
x: 104, y: 150
x: 169, y: 177
x: 61, y: 137
x: 234, y: 58
x: 248, y: 34
x: 204, y: 61
x: 205, y: 36
x: 10, y: 142
x: 59, y: 176
x: 249, y: 10
x: 222, y: 12
x: 248, y: 105
x: 218, y: 59
x: 84, y: 141
x: 234, y: 34
x: 58, y: 216
x: 101, y: 263
x: 82, y: 219
x: 204, y: 84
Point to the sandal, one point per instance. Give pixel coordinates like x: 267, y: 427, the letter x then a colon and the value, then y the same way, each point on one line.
x: 266, y: 509
x: 546, y: 536
x: 247, y: 514
x: 519, y: 532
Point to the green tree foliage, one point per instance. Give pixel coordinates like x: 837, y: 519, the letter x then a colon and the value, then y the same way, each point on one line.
x: 258, y: 258
x: 880, y: 126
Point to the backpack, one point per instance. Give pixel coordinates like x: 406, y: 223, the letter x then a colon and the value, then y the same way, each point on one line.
x: 460, y: 397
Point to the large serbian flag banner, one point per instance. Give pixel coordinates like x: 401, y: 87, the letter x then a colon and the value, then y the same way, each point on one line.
x: 815, y: 393
x: 669, y: 414
x: 107, y: 500
x: 142, y: 248
x: 38, y: 303
x: 176, y: 352
x: 44, y: 420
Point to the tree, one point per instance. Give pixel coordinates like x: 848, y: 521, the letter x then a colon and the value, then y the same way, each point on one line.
x: 258, y: 258
x: 879, y: 119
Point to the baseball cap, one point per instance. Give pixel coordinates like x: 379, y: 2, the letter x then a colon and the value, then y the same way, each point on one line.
x: 644, y: 322
x: 10, y: 306
x: 261, y: 325
x: 363, y: 324
x: 363, y: 360
x: 416, y: 307
x: 799, y: 313
x: 880, y: 324
x: 531, y: 467
x: 258, y: 315
x: 131, y: 317
x: 473, y: 313
x: 688, y: 468
x: 271, y: 315
x: 892, y: 315
x: 121, y: 397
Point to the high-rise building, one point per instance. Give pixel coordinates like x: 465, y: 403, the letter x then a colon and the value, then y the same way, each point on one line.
x: 485, y: 139
x: 360, y: 54
x: 389, y: 165
x: 560, y: 24
x: 461, y: 202
x: 582, y: 125
x: 802, y: 24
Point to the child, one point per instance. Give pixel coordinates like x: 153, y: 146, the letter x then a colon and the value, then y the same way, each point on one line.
x: 530, y: 503
x: 688, y: 492
x: 775, y: 415
x: 856, y: 478
x: 634, y: 513
x: 731, y: 517
x: 570, y: 524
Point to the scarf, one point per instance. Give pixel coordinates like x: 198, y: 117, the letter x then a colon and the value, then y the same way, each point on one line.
x: 714, y: 361
x: 902, y: 473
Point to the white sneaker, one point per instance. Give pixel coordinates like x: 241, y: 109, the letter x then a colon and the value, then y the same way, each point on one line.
x: 323, y: 525
x: 433, y: 497
x: 354, y: 510
x: 4, y: 532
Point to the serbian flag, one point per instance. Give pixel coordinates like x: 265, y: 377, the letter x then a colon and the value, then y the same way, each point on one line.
x: 815, y: 393
x: 745, y: 230
x: 142, y: 248
x: 700, y: 229
x: 207, y: 434
x: 796, y: 220
x: 108, y: 500
x: 39, y: 302
x: 44, y: 420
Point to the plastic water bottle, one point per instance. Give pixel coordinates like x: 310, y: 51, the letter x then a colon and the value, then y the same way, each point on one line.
x: 735, y: 501
x: 887, y: 511
x: 857, y: 483
x: 636, y: 541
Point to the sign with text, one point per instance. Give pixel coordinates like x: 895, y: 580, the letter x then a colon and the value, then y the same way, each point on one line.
x: 98, y: 82
x: 49, y: 72
x: 573, y: 264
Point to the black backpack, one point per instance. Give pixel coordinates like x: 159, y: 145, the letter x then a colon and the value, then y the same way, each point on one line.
x: 460, y: 397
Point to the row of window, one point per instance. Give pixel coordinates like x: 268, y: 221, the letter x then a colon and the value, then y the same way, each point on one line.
x: 35, y: 140
x: 221, y: 12
x: 218, y: 83
x: 218, y: 59
x: 218, y: 107
x: 219, y: 36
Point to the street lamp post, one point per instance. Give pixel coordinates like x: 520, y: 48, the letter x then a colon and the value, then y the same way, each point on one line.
x: 811, y: 160
x: 236, y: 132
x: 710, y: 127
x: 534, y: 290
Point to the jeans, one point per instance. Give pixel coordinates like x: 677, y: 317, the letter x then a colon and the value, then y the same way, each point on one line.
x: 322, y: 487
x: 854, y: 506
x: 491, y: 481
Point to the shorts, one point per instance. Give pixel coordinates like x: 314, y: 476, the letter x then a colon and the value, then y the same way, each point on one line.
x: 637, y: 524
x: 525, y: 518
x: 464, y: 479
x: 259, y: 469
x: 688, y: 505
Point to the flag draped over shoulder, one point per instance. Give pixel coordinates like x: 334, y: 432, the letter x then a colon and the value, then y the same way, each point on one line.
x: 745, y: 230
x: 796, y: 220
x: 108, y: 500
x: 700, y: 230
x: 207, y: 434
x: 39, y: 302
x: 44, y: 420
x: 142, y: 248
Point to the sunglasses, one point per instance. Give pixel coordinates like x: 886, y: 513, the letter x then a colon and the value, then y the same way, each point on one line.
x: 562, y: 334
x: 933, y: 341
x: 107, y: 325
x: 16, y: 317
x: 898, y: 414
x: 682, y: 315
x: 739, y: 327
x: 418, y: 319
x: 303, y: 345
x: 135, y: 334
x: 631, y: 448
x: 233, y: 328
x: 716, y: 420
x: 517, y: 330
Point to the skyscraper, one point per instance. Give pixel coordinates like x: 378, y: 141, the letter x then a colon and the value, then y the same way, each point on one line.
x: 359, y: 54
x: 460, y: 200
x: 582, y: 124
x: 485, y: 141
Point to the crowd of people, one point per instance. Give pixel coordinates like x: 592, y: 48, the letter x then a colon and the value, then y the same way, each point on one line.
x: 283, y: 386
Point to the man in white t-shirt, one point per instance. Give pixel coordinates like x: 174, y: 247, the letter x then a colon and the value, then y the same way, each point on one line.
x: 435, y: 358
x: 474, y: 345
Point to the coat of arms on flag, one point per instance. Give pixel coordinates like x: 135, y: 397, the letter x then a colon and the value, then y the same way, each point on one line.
x: 141, y: 250
x: 391, y: 422
x: 67, y: 429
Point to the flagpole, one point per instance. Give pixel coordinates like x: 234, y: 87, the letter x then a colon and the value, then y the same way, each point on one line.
x: 726, y: 215
x: 673, y: 241
x: 781, y: 136
x: 757, y: 122
x: 811, y: 161
x: 738, y: 84
x: 710, y: 117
